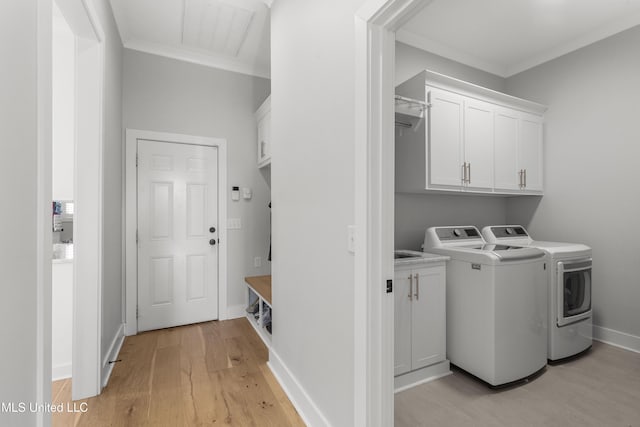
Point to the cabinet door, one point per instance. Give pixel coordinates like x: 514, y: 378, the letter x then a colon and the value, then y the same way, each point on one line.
x: 264, y: 139
x: 402, y: 323
x: 445, y: 139
x: 478, y: 144
x: 530, y: 151
x: 506, y: 150
x: 428, y: 336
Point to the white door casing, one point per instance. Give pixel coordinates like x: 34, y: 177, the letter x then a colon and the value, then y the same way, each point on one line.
x: 375, y: 24
x: 187, y: 226
x: 177, y: 234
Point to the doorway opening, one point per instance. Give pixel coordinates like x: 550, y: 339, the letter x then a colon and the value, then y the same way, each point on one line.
x: 149, y: 161
x: 85, y: 130
x: 376, y: 25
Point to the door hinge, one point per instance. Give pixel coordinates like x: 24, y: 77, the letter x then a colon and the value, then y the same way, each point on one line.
x: 137, y: 312
x: 136, y: 237
x: 389, y: 286
x: 136, y: 160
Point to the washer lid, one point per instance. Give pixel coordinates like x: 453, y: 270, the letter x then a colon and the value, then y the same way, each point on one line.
x: 512, y: 253
x: 557, y: 249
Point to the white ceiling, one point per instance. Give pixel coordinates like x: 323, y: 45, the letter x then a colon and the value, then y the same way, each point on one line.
x: 505, y: 37
x: 228, y: 34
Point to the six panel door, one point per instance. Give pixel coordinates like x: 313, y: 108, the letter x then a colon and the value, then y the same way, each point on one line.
x: 177, y: 234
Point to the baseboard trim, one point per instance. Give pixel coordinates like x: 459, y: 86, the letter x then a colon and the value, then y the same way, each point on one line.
x: 61, y: 372
x: 616, y: 338
x: 112, y: 354
x: 421, y: 376
x: 236, y: 312
x: 307, y: 409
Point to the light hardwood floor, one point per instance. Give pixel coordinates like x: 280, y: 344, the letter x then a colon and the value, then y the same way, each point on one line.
x: 601, y: 388
x: 208, y: 374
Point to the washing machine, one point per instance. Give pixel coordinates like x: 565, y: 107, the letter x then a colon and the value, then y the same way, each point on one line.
x: 496, y: 305
x: 569, y: 281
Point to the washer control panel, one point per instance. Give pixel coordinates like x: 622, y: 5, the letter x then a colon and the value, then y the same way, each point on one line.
x: 509, y: 231
x: 457, y: 233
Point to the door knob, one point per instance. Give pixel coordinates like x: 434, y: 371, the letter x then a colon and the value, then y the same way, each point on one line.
x: 212, y: 230
x: 212, y: 242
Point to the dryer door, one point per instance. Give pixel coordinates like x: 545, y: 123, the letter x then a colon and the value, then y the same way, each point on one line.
x: 574, y: 291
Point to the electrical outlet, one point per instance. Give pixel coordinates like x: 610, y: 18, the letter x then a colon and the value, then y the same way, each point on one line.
x: 257, y: 262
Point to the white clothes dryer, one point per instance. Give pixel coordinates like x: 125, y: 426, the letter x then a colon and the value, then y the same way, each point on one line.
x: 569, y: 281
x: 496, y: 305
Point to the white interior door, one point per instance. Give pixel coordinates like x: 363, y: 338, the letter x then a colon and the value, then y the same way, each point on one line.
x: 177, y: 234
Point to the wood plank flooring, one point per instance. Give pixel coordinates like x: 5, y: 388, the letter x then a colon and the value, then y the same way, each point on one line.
x: 600, y: 389
x: 208, y: 374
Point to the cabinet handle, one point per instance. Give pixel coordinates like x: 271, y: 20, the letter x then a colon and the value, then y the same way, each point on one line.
x: 520, y: 178
x: 525, y: 178
x: 417, y: 294
x: 410, y: 287
x: 464, y: 172
x: 469, y: 173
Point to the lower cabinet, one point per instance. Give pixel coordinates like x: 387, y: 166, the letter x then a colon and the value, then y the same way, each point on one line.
x: 420, y: 317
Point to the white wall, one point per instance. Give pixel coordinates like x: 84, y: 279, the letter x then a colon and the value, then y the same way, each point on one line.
x: 416, y: 212
x: 18, y: 175
x: 63, y: 100
x: 112, y: 165
x: 312, y: 77
x: 166, y: 95
x: 591, y: 167
x: 410, y: 61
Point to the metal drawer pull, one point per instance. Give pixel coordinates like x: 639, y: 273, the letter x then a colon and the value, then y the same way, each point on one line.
x: 469, y: 174
x: 410, y: 287
x: 417, y: 294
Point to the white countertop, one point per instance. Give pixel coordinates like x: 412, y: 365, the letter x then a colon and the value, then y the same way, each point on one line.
x: 421, y: 258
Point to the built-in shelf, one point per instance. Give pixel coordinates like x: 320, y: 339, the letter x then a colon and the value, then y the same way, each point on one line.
x: 259, y: 307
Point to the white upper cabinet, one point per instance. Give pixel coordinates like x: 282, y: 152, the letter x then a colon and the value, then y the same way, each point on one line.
x: 474, y: 140
x: 518, y: 152
x: 478, y: 145
x: 507, y: 173
x: 263, y: 119
x: 445, y: 138
x: 530, y: 152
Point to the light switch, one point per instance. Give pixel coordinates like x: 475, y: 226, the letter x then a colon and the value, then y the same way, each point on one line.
x: 246, y: 193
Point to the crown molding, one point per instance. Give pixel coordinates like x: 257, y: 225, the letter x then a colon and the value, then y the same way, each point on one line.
x: 199, y: 58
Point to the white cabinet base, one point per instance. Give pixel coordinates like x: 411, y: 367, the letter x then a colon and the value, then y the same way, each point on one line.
x: 414, y: 378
